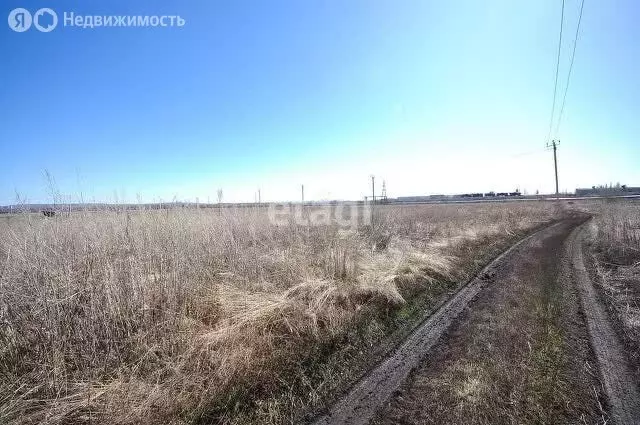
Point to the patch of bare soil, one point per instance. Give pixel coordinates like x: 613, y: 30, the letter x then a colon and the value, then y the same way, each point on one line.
x: 519, y: 354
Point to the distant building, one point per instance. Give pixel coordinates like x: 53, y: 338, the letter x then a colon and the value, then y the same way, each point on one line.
x: 608, y: 190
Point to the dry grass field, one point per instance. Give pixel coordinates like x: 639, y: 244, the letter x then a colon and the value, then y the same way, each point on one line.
x: 206, y: 316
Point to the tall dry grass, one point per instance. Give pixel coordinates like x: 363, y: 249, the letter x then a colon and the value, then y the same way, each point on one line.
x: 618, y: 224
x: 184, y: 315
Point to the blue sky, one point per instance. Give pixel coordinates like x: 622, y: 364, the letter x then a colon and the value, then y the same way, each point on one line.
x: 432, y: 96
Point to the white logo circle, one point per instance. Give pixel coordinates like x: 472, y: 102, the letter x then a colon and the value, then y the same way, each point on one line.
x: 45, y: 19
x: 19, y: 19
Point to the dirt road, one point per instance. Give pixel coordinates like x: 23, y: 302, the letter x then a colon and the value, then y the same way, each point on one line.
x: 513, y: 346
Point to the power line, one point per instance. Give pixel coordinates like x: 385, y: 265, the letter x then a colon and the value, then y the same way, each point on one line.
x: 555, y: 87
x: 573, y: 54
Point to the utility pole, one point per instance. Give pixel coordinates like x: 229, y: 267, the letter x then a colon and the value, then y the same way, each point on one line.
x: 302, y: 190
x: 554, y: 144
